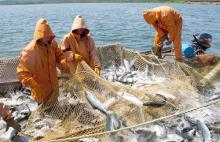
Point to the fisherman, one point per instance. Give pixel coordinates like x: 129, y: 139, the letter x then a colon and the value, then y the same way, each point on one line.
x: 6, y: 115
x: 199, y: 44
x: 81, y: 44
x: 37, y: 64
x: 165, y: 20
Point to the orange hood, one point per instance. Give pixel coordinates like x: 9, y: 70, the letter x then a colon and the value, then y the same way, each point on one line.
x: 150, y: 16
x: 79, y: 23
x: 42, y: 30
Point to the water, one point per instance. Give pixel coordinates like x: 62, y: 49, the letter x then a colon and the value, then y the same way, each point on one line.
x: 109, y: 23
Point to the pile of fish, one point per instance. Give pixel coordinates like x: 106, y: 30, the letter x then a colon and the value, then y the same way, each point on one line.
x: 127, y: 74
x: 194, y: 126
x: 201, y: 125
x: 43, y: 120
x: 22, y: 105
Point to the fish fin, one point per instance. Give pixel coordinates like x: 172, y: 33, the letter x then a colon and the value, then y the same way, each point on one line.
x: 162, y: 97
x: 7, y: 127
x: 95, y: 106
x: 132, y: 62
x: 114, y: 122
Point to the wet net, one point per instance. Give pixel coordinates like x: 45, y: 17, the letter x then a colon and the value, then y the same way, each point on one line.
x: 8, y: 77
x: 134, y: 88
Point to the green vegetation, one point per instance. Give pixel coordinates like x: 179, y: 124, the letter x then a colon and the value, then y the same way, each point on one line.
x: 5, y: 2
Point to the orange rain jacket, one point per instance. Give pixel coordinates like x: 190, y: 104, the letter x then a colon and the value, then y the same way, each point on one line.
x: 5, y: 112
x: 83, y: 46
x: 169, y: 21
x: 37, y: 65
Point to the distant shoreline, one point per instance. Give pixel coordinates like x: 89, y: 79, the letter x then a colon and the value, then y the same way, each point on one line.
x: 29, y: 2
x: 205, y: 3
x: 202, y: 1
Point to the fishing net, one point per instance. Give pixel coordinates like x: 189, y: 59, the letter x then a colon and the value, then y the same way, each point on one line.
x: 8, y: 77
x: 71, y: 115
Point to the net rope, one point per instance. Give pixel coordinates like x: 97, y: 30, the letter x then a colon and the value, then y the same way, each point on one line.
x: 203, y: 106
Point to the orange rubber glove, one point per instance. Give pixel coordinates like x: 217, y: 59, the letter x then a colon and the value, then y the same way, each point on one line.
x: 77, y: 57
x: 64, y: 61
x: 97, y: 70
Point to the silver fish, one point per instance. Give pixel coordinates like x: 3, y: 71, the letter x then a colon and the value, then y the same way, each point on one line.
x: 128, y: 66
x: 135, y: 100
x: 114, y: 122
x: 131, y: 98
x: 128, y: 77
x: 6, y: 135
x: 145, y: 135
x: 160, y: 103
x: 204, y: 131
x: 160, y: 130
x: 172, y: 138
x: 186, y: 133
x: 191, y: 134
x: 215, y: 127
x: 126, y: 80
x: 3, y: 126
x: 111, y: 77
x: 95, y: 103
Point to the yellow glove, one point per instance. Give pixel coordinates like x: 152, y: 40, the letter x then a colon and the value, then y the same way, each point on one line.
x: 77, y: 57
x: 97, y: 70
x: 64, y: 61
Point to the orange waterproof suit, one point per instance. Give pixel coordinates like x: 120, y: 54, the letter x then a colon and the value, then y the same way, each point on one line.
x: 37, y: 65
x: 166, y: 20
x: 85, y: 47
